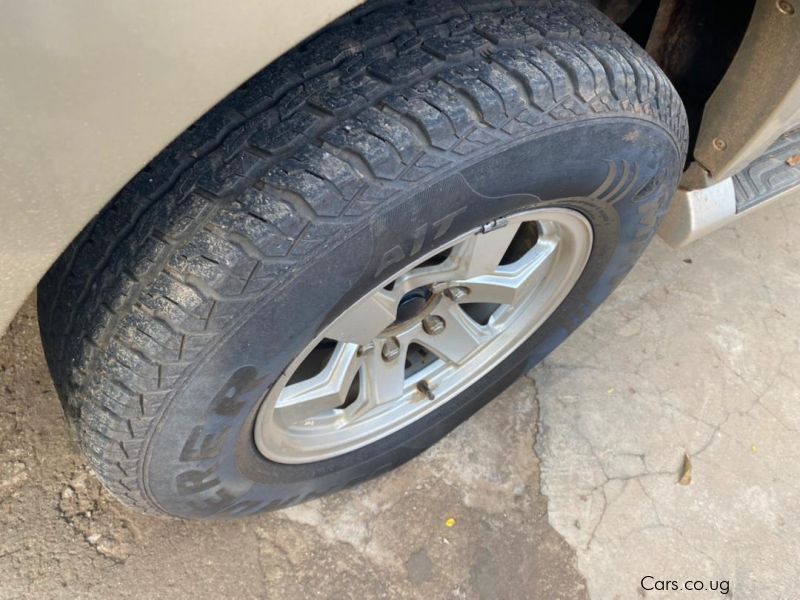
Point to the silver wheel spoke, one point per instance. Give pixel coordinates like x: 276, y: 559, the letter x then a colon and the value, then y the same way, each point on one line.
x: 325, y: 391
x: 366, y: 319
x: 480, y: 254
x: 509, y: 284
x: 422, y: 337
x: 461, y: 335
x: 424, y: 276
x: 382, y: 381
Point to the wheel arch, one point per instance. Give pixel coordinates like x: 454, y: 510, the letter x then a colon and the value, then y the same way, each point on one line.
x: 93, y: 91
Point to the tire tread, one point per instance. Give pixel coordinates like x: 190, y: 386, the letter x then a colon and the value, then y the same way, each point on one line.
x: 321, y: 138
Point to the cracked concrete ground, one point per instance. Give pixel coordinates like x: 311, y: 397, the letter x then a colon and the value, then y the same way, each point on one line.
x: 696, y: 353
x: 62, y: 536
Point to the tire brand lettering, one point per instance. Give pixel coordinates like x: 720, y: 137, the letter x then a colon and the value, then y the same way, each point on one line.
x: 196, y: 480
x: 227, y: 402
x: 423, y: 233
x: 203, y: 447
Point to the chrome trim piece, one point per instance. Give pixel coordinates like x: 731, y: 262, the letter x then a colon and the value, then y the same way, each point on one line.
x: 695, y: 213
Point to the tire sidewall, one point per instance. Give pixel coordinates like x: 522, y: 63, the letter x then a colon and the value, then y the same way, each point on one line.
x: 619, y: 172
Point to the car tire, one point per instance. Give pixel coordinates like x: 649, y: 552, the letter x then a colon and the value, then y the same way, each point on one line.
x: 400, y: 128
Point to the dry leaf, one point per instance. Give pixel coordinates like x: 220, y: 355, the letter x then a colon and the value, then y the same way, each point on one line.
x: 793, y: 161
x: 686, y: 471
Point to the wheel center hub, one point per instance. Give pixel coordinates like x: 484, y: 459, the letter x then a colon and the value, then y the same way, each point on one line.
x: 412, y: 304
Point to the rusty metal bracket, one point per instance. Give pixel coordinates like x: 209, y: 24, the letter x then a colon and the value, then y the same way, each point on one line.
x: 757, y: 100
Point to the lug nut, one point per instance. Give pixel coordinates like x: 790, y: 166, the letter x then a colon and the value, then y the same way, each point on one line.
x: 390, y: 350
x: 433, y: 324
x: 456, y: 293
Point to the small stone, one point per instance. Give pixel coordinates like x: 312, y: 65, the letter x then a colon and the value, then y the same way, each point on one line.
x: 686, y: 471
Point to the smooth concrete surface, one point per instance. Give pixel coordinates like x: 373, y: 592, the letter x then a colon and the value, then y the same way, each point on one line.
x: 564, y: 487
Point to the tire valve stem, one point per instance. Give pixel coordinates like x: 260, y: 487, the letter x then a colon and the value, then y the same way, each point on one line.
x: 423, y: 387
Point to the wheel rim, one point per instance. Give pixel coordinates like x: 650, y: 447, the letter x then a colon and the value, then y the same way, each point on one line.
x: 423, y: 336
